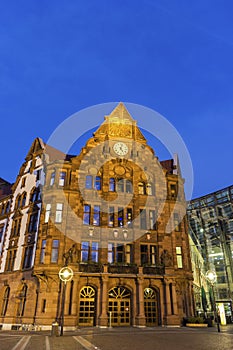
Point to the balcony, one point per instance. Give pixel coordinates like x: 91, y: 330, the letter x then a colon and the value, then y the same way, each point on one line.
x: 153, y: 270
x: 90, y: 268
x: 123, y: 269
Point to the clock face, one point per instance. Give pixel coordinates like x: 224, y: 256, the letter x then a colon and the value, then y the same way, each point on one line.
x: 120, y: 148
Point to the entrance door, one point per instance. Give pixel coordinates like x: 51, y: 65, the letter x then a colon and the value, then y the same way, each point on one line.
x: 87, y: 306
x: 119, y: 306
x: 151, y: 307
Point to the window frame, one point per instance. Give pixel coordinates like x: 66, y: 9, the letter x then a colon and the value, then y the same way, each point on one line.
x: 55, y: 251
x: 59, y: 213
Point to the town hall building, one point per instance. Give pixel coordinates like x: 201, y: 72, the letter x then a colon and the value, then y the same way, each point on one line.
x: 115, y: 215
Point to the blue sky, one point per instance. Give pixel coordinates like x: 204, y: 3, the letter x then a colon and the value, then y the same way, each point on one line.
x: 57, y: 57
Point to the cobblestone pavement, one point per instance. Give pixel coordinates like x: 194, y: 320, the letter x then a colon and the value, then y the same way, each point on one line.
x: 121, y: 339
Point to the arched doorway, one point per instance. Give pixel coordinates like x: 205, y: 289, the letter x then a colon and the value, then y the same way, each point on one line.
x: 119, y: 306
x: 151, y: 307
x: 87, y: 298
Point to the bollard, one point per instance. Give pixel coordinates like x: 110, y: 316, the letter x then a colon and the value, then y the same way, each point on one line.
x: 55, y: 329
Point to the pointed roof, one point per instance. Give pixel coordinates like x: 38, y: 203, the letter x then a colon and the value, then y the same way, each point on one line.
x: 36, y: 147
x: 120, y: 114
x: 119, y: 124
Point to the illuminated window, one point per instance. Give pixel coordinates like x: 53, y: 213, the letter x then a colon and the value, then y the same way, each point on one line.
x: 128, y: 254
x: 120, y: 217
x: 62, y: 178
x: 96, y: 215
x: 148, y: 254
x: 149, y: 191
x: 47, y: 212
x: 58, y: 215
x: 129, y: 217
x: 152, y: 220
x: 177, y: 224
x: 141, y: 188
x: 110, y: 253
x: 173, y: 191
x: 111, y: 217
x: 179, y: 257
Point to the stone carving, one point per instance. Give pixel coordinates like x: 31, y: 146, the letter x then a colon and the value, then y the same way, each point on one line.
x: 72, y: 255
x: 166, y: 258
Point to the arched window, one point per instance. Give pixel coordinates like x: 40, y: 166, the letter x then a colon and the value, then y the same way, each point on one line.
x: 24, y: 197
x: 8, y: 207
x: 141, y: 188
x: 112, y: 184
x: 35, y: 195
x: 87, y: 307
x: 151, y: 307
x: 5, y: 301
x: 18, y: 202
x: 22, y: 302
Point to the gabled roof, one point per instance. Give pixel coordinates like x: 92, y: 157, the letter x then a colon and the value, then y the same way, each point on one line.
x: 5, y: 188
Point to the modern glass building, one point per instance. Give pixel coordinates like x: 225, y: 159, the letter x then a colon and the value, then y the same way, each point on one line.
x: 211, y: 227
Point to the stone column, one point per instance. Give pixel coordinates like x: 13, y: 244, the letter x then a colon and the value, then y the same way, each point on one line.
x: 103, y: 319
x: 75, y: 294
x: 168, y: 299
x: 140, y: 318
x: 175, y: 308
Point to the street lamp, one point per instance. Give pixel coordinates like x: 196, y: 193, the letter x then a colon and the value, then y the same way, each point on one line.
x: 65, y: 275
x: 212, y: 278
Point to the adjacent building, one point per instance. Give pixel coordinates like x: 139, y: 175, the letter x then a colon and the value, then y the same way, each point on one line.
x: 115, y: 214
x: 211, y: 227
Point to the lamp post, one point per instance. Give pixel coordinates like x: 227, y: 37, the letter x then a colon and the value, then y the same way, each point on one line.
x: 65, y: 275
x: 212, y: 278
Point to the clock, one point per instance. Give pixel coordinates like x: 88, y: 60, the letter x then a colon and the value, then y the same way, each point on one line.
x: 120, y: 148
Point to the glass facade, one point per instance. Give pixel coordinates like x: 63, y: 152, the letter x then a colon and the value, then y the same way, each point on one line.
x: 211, y: 225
